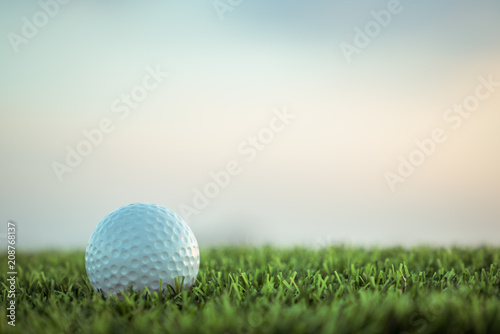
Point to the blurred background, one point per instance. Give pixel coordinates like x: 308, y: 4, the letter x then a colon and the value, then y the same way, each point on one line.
x: 66, y: 68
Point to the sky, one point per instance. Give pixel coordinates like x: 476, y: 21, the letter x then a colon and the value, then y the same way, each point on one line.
x: 260, y: 122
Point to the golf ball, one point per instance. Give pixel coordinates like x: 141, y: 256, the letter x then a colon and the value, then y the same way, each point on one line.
x: 137, y: 246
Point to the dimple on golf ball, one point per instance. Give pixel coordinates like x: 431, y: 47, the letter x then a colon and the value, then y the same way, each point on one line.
x: 137, y: 246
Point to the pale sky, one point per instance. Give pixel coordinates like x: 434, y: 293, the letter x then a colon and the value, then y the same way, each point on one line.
x: 320, y: 179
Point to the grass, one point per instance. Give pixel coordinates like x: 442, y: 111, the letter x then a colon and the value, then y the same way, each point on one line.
x: 262, y: 290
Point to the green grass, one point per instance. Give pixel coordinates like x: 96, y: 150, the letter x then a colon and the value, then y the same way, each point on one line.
x: 261, y: 290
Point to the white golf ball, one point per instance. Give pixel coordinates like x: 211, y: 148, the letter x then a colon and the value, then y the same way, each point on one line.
x: 138, y: 245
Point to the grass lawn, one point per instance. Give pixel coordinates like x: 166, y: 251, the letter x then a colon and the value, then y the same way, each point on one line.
x: 268, y: 290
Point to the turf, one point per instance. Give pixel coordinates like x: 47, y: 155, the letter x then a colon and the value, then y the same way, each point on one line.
x: 268, y: 290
